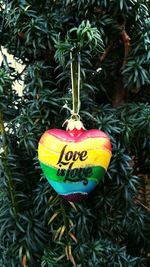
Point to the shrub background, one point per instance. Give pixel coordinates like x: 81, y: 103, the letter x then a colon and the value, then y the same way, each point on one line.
x: 37, y: 227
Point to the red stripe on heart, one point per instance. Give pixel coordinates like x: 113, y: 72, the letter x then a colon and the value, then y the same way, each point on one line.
x: 76, y: 137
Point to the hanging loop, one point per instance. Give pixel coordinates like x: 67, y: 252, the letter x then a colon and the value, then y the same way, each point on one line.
x: 75, y: 81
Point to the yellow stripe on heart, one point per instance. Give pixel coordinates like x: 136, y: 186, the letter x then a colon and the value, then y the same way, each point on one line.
x: 95, y: 157
x: 55, y: 144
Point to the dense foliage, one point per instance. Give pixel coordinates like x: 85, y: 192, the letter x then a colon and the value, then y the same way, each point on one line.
x: 111, y: 228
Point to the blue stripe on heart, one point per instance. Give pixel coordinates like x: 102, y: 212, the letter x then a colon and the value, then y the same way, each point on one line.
x: 74, y: 187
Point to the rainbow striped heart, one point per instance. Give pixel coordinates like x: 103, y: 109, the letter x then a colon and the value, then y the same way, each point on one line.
x: 74, y: 161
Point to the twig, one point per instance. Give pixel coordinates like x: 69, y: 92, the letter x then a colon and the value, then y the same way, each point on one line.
x: 4, y: 61
x: 68, y: 246
x: 65, y: 219
x: 24, y: 261
x: 3, y: 19
x: 6, y: 65
x: 98, y: 10
x: 20, y: 73
x: 141, y: 204
x: 7, y: 171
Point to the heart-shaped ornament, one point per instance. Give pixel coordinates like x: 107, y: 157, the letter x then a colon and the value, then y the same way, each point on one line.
x: 74, y: 161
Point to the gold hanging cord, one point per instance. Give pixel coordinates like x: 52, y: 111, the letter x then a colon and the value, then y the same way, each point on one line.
x: 75, y: 80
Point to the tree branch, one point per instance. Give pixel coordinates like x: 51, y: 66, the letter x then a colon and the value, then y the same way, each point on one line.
x: 106, y: 52
x: 127, y: 45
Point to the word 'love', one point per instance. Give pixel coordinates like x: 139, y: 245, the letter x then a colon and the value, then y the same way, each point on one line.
x: 69, y: 158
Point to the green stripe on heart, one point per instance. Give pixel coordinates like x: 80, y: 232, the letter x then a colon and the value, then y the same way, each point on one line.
x: 51, y: 173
